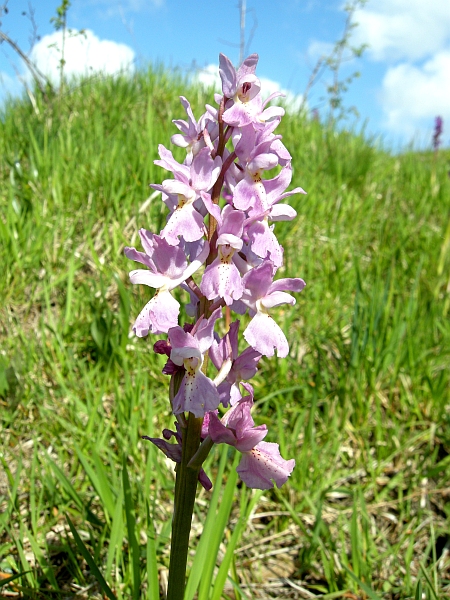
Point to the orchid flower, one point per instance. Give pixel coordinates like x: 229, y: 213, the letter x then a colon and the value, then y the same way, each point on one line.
x: 197, y: 393
x: 168, y: 268
x: 262, y: 293
x: 261, y: 462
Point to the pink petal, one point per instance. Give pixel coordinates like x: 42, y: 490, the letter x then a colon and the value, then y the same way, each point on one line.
x: 222, y: 280
x: 282, y: 212
x: 264, y: 241
x: 290, y: 284
x: 227, y: 73
x: 197, y: 394
x: 219, y: 433
x: 158, y: 316
x: 250, y: 194
x: 277, y: 298
x: 186, y: 222
x: 237, y: 116
x: 154, y: 280
x: 264, y: 335
x: 263, y: 465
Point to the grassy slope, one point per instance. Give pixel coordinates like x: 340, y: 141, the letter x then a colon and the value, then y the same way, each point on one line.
x: 362, y: 402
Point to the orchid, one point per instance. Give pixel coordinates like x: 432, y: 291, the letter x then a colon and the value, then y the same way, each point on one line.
x: 261, y: 235
x: 438, y: 129
x: 262, y: 293
x: 185, y: 220
x: 222, y: 277
x: 218, y: 248
x: 197, y: 393
x: 194, y: 135
x: 243, y: 87
x: 168, y: 268
x: 261, y: 462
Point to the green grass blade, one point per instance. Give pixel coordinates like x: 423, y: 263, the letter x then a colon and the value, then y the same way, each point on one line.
x: 117, y: 534
x: 65, y: 484
x: 131, y: 528
x: 246, y: 509
x: 430, y: 584
x: 362, y: 585
x: 215, y: 535
x: 14, y: 482
x: 25, y: 564
x: 354, y: 537
x: 152, y: 563
x: 418, y: 594
x: 203, y: 548
x: 98, y: 479
x: 90, y: 561
x: 69, y: 293
x: 42, y: 560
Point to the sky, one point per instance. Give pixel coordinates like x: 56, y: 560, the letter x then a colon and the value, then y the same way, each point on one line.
x: 404, y: 81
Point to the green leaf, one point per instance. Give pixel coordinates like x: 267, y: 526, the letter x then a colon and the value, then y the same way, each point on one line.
x: 203, y: 547
x: 246, y: 509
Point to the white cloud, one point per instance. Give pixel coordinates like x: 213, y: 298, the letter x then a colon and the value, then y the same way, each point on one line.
x: 403, y: 29
x: 291, y: 101
x: 412, y: 37
x: 318, y: 49
x: 84, y: 54
x: 412, y: 96
x: 209, y: 77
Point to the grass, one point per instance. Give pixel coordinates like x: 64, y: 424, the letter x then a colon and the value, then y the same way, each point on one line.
x: 362, y: 402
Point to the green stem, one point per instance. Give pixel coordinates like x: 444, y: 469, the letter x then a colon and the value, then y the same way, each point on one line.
x: 185, y: 492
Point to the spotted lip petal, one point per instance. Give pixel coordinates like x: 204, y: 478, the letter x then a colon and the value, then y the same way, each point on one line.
x: 222, y: 280
x: 158, y: 316
x: 264, y: 242
x: 264, y: 465
x: 197, y: 393
x: 260, y: 294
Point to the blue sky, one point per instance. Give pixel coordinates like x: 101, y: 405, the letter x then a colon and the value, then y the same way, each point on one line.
x: 405, y: 72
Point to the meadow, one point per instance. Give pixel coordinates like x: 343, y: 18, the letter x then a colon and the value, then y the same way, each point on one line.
x: 362, y: 401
